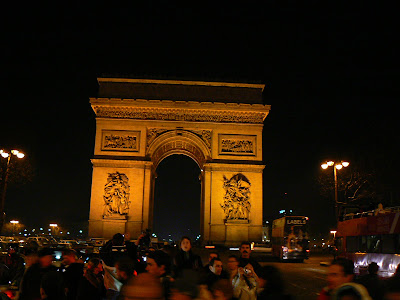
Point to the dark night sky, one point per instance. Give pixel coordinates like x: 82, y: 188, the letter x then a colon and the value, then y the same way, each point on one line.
x: 331, y: 76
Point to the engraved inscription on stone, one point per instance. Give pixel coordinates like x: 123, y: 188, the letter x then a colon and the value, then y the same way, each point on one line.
x: 237, y: 197
x: 237, y: 144
x: 116, y: 195
x: 120, y: 140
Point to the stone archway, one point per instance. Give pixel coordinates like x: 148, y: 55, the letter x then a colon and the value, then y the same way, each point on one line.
x: 136, y: 131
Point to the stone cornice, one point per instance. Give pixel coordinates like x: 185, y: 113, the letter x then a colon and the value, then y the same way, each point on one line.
x: 189, y: 111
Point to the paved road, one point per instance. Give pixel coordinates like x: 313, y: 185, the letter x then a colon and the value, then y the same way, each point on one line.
x: 303, y: 280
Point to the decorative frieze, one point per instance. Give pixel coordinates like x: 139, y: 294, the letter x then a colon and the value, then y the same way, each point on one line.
x: 176, y: 114
x: 236, y: 144
x: 120, y: 140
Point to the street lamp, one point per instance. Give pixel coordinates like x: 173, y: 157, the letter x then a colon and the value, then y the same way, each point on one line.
x: 14, y: 224
x: 53, y: 227
x: 8, y: 156
x: 336, y: 166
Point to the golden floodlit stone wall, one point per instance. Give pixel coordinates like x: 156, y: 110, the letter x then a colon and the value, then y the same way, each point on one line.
x: 134, y: 135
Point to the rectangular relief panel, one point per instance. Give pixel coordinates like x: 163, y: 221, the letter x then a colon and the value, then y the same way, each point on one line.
x: 237, y: 144
x: 120, y: 140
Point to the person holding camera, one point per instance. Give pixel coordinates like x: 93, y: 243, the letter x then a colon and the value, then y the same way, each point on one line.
x: 245, y: 283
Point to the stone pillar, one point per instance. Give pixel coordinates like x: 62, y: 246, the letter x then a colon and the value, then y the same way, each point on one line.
x: 139, y: 181
x: 221, y: 228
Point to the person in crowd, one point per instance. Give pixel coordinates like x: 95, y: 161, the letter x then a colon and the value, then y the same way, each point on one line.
x: 232, y: 268
x: 186, y: 286
x: 53, y: 287
x: 185, y: 258
x: 372, y: 282
x: 31, y: 281
x: 245, y: 257
x: 215, y: 273
x: 340, y: 271
x: 351, y: 291
x: 271, y: 284
x: 144, y: 286
x: 245, y: 284
x: 72, y: 270
x: 392, y: 286
x: 91, y: 286
x: 222, y: 290
x: 159, y: 265
x: 114, y: 250
x: 125, y: 269
x: 211, y: 255
x: 16, y: 267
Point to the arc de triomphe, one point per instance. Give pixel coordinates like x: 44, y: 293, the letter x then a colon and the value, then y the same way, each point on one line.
x: 140, y: 122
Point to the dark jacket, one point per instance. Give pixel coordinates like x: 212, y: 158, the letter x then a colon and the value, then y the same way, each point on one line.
x: 91, y: 287
x: 30, y: 285
x: 244, y: 261
x: 186, y: 260
x: 72, y: 276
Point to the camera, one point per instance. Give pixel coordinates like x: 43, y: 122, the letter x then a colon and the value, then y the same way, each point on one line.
x: 247, y: 271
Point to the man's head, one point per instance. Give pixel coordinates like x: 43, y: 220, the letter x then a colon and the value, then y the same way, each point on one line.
x: 212, y: 255
x: 69, y: 257
x: 373, y: 268
x: 340, y: 271
x: 216, y: 266
x: 118, y: 239
x: 158, y: 263
x: 45, y: 257
x: 125, y: 268
x: 233, y: 263
x: 245, y: 250
x: 186, y: 244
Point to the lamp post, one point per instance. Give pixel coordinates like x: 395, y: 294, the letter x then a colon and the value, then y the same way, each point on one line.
x: 336, y: 166
x: 14, y: 224
x: 8, y: 156
x: 53, y: 228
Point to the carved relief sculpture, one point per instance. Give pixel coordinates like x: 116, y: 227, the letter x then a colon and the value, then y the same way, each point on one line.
x: 231, y: 144
x: 237, y: 197
x: 116, y: 195
x: 120, y: 140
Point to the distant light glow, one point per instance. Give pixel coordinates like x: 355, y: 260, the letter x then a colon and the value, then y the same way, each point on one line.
x: 330, y: 163
x: 324, y: 166
x: 14, y: 222
x: 345, y: 164
x: 338, y: 167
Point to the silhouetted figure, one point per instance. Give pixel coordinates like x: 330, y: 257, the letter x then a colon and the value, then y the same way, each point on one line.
x: 271, y: 281
x: 372, y: 282
x: 91, y: 286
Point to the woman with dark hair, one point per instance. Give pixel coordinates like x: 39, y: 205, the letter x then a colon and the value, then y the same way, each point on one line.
x: 185, y: 258
x: 92, y: 284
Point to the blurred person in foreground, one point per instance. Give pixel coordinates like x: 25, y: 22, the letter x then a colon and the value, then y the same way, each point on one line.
x: 341, y: 271
x: 91, y: 285
x: 72, y: 270
x: 32, y: 279
x: 271, y: 284
x: 185, y: 258
x: 392, y: 286
x: 143, y: 286
x: 159, y: 265
x: 53, y: 287
x: 222, y: 290
x: 351, y: 291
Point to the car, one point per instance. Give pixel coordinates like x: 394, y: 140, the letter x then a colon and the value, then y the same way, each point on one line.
x: 40, y: 240
x: 67, y: 244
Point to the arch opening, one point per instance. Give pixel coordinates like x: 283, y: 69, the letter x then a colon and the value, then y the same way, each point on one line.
x: 177, y: 198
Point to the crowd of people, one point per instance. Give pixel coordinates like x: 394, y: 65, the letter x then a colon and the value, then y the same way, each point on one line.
x: 127, y: 270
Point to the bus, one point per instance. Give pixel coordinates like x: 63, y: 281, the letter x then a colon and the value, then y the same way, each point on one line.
x: 289, y: 238
x: 372, y: 236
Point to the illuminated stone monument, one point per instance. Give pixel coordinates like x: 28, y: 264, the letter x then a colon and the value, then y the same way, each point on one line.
x: 140, y: 122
